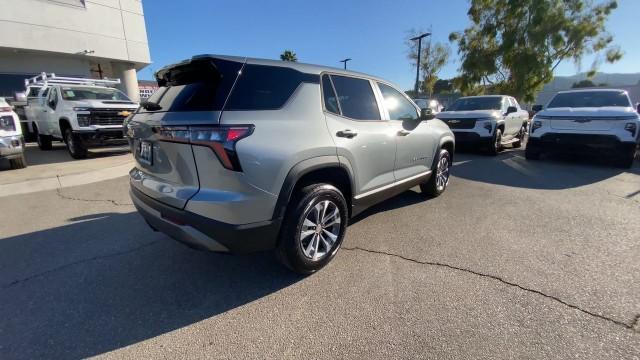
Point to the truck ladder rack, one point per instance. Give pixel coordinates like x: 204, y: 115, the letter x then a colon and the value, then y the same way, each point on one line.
x: 44, y: 79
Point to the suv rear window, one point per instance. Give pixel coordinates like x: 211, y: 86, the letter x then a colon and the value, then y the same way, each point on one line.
x: 590, y: 99
x: 263, y: 87
x: 200, y: 85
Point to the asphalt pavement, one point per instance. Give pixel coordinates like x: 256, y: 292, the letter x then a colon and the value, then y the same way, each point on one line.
x: 517, y: 259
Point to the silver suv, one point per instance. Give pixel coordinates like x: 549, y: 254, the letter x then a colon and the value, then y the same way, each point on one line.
x: 237, y: 155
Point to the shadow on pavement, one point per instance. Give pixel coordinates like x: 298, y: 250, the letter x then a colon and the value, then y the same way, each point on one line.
x: 106, y: 281
x: 552, y: 172
x: 59, y: 153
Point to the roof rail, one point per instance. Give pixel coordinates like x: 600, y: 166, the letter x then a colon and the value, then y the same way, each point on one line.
x: 44, y: 79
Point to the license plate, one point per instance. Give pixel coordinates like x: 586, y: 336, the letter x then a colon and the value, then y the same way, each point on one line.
x: 145, y: 153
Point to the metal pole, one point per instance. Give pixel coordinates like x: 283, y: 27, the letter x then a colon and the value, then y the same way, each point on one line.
x: 418, y: 67
x: 345, y: 62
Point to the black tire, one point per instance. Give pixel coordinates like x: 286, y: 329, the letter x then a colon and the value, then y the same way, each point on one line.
x: 18, y: 163
x: 76, y: 148
x: 292, y: 243
x: 440, y: 174
x: 44, y: 141
x: 496, y: 143
x: 531, y: 153
x: 521, y: 135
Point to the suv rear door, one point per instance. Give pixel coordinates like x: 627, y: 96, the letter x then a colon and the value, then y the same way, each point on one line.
x: 191, y: 93
x: 359, y: 131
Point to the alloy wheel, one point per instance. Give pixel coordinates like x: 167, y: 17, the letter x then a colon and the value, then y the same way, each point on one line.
x: 442, y: 173
x: 320, y: 230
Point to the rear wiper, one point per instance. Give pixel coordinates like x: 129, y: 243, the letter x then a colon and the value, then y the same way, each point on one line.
x: 150, y: 106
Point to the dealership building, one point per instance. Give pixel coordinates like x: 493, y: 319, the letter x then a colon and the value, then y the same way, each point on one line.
x: 79, y: 38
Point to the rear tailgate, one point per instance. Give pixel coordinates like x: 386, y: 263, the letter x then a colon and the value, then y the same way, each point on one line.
x: 191, y: 93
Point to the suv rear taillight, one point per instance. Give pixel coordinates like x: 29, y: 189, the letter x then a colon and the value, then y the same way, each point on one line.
x: 222, y: 140
x: 5, y: 109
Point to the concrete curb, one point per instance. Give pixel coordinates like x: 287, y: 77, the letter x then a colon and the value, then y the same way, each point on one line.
x: 63, y: 181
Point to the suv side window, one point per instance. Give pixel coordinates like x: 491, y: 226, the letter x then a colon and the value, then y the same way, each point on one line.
x: 52, y: 101
x: 356, y: 98
x: 330, y: 98
x: 397, y: 105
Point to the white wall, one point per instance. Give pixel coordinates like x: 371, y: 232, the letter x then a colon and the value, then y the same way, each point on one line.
x: 113, y: 29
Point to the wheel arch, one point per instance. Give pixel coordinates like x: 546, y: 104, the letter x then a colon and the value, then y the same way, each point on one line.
x: 323, y: 169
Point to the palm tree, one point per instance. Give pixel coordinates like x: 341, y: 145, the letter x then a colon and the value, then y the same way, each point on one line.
x: 289, y: 55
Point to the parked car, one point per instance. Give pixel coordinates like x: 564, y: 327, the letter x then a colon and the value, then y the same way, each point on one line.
x: 600, y: 120
x: 487, y: 121
x: 84, y: 113
x: 11, y: 140
x: 236, y: 155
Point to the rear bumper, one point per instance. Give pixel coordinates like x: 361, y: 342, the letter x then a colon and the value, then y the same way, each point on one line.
x: 102, y: 137
x: 576, y: 143
x: 203, y: 233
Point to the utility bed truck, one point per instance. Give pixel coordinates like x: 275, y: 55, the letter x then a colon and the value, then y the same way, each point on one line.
x: 84, y: 113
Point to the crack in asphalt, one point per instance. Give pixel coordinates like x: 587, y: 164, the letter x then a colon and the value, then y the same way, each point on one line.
x: 113, y: 202
x: 631, y: 326
x: 61, y: 267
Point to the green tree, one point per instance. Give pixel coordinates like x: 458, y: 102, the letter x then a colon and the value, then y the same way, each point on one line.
x: 289, y: 55
x: 513, y: 46
x: 434, y: 58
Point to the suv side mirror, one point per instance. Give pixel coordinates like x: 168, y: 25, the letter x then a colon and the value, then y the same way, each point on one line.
x: 51, y: 103
x: 511, y: 110
x: 426, y: 114
x: 536, y: 108
x: 638, y: 107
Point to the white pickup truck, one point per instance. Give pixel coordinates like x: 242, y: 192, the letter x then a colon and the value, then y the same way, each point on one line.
x: 83, y: 113
x: 598, y: 120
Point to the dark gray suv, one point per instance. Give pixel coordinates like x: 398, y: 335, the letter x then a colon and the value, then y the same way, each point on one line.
x: 236, y: 155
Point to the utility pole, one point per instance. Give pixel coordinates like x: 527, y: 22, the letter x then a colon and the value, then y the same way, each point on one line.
x: 345, y: 62
x: 419, y: 38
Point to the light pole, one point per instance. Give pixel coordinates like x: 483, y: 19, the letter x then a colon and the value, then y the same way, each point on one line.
x: 419, y: 38
x: 345, y: 62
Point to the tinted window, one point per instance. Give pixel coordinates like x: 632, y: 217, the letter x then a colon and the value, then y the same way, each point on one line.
x: 397, y: 105
x: 356, y: 98
x: 262, y: 87
x: 200, y: 85
x: 590, y: 99
x: 330, y: 100
x: 33, y: 91
x: 476, y: 103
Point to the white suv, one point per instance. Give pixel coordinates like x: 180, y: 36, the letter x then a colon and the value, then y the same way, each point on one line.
x: 487, y: 121
x: 578, y: 120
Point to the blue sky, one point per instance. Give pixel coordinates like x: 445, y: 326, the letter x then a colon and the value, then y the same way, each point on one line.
x: 370, y: 32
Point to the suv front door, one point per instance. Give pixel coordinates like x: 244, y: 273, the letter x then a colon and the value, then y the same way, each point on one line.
x: 415, y: 142
x: 361, y: 136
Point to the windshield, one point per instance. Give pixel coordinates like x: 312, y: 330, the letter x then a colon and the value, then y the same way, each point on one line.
x: 87, y: 93
x: 590, y: 99
x: 476, y: 103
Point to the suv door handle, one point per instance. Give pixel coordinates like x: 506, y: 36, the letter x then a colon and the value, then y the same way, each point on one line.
x: 403, y: 133
x: 346, y: 134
